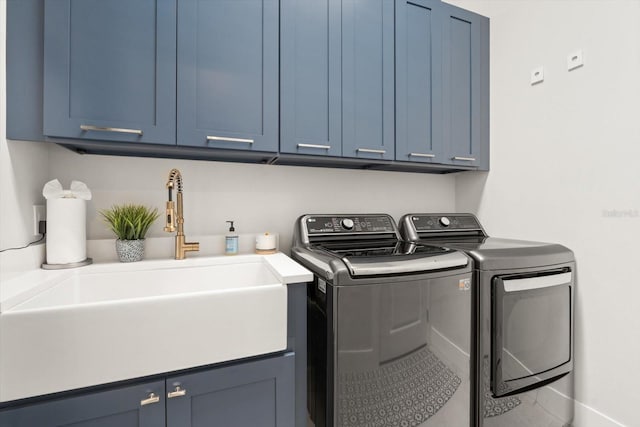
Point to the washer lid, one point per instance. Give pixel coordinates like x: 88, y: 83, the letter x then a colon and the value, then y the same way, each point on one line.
x: 382, y: 266
x: 390, y: 257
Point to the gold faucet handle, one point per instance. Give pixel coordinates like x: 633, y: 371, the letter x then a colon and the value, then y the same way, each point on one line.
x: 170, y: 225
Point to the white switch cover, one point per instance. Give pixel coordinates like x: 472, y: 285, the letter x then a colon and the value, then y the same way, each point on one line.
x: 537, y: 75
x: 575, y: 60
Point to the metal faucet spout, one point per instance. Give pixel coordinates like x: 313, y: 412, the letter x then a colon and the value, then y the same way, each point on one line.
x: 175, y: 216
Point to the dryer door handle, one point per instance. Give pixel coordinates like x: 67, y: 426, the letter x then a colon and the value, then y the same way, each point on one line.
x: 518, y: 285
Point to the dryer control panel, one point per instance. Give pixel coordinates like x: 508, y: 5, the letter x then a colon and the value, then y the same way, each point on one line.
x: 445, y: 222
x: 426, y: 225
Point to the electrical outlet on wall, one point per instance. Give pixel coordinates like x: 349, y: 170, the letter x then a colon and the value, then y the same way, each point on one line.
x: 39, y: 214
x: 575, y: 60
x: 537, y: 75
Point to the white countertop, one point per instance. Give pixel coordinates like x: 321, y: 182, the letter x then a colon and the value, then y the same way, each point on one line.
x: 21, y: 287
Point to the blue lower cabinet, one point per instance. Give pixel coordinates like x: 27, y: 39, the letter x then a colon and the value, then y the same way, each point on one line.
x: 141, y: 405
x: 257, y: 394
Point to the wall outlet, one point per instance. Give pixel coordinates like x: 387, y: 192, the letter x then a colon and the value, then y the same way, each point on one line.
x: 39, y: 214
x: 537, y: 75
x: 575, y: 60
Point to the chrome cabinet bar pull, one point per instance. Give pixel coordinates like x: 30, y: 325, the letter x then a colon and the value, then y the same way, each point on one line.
x: 430, y: 156
x: 466, y: 159
x: 108, y: 129
x: 222, y: 138
x: 318, y: 146
x: 153, y: 398
x: 369, y: 150
x: 177, y: 392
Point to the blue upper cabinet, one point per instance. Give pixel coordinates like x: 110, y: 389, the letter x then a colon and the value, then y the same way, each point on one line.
x: 228, y: 74
x: 310, y: 77
x: 419, y: 121
x: 337, y: 78
x: 395, y: 84
x: 109, y: 70
x: 368, y: 79
x: 465, y: 69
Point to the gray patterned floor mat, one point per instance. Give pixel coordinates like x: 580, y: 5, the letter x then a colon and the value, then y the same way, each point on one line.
x: 495, y: 406
x: 404, y: 393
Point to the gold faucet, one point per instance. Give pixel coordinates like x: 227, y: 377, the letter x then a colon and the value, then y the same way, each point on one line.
x: 182, y: 247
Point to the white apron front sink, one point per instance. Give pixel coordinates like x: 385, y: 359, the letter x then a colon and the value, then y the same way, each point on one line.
x: 110, y: 322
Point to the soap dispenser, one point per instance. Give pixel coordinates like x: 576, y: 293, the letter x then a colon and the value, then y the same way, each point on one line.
x: 231, y: 241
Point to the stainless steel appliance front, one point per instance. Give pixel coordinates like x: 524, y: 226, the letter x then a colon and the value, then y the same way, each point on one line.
x: 525, y: 315
x: 393, y: 346
x: 399, y: 352
x: 531, y: 320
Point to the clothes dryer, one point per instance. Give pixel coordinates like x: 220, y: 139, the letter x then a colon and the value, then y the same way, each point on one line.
x: 525, y: 318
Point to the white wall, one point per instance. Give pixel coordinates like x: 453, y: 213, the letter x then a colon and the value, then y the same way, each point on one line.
x: 257, y: 197
x: 564, y: 157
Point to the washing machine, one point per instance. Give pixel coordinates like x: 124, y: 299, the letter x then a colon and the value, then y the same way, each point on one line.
x: 525, y: 320
x: 390, y: 325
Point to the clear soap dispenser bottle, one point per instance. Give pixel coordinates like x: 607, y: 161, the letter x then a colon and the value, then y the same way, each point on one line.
x: 231, y: 241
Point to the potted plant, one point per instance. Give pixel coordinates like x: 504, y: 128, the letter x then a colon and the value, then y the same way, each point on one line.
x: 130, y: 224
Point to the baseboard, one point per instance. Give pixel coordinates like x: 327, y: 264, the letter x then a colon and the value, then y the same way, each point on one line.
x: 587, y: 416
x: 457, y: 359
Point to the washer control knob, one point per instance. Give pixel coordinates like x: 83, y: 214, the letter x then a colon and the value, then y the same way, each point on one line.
x: 347, y: 223
x: 444, y: 221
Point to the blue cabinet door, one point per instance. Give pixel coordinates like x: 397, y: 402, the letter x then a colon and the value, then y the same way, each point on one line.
x: 228, y: 74
x: 141, y: 405
x: 109, y: 70
x: 258, y: 394
x: 466, y: 87
x: 368, y: 79
x: 311, y: 61
x: 419, y: 122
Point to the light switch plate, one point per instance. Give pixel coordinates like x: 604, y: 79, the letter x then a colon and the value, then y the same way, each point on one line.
x: 575, y: 60
x: 537, y: 75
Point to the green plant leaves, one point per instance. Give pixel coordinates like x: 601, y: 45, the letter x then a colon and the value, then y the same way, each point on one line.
x: 129, y: 221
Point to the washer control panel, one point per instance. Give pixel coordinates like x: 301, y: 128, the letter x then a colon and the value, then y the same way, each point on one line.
x: 444, y: 222
x: 325, y: 224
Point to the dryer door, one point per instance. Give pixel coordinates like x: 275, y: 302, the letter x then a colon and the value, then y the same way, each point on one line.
x: 532, y: 330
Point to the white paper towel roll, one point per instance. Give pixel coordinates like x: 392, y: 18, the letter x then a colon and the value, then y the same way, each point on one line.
x: 66, y: 230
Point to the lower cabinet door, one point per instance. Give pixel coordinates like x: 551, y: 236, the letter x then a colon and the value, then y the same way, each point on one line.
x: 135, y: 406
x: 257, y: 394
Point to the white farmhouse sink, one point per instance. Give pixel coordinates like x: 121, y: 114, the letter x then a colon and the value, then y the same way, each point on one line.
x: 111, y: 322
x: 81, y: 289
